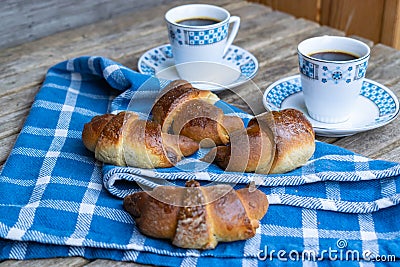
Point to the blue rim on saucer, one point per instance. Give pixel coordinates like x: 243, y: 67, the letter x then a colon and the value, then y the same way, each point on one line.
x: 376, y: 106
x: 159, y: 58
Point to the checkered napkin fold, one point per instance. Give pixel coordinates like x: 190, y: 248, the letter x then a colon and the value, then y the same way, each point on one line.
x: 57, y: 200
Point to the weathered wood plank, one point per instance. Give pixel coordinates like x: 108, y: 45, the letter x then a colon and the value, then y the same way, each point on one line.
x: 392, y: 153
x: 308, y: 9
x: 279, y: 49
x: 245, y: 9
x: 27, y: 69
x: 58, y: 47
x: 103, y: 33
x: 350, y: 16
x: 19, y: 100
x: 258, y: 23
x: 21, y: 80
x: 11, y: 123
x: 383, y: 66
x: 390, y: 33
x: 25, y: 21
x: 71, y: 262
x: 6, y: 145
x: 10, y: 126
x: 29, y: 20
x: 271, y: 31
x: 109, y: 263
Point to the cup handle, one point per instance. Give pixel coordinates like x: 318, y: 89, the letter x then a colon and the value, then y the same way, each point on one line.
x: 235, y: 28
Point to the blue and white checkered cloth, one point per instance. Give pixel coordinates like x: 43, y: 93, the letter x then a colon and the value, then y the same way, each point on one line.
x: 56, y: 200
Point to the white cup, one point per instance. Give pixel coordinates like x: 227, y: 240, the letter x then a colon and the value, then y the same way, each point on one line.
x: 198, y: 48
x: 331, y: 86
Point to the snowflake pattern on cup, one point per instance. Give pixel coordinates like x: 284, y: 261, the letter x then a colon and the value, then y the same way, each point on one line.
x: 336, y: 75
x: 310, y: 70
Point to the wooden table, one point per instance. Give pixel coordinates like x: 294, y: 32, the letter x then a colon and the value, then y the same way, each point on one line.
x: 270, y: 35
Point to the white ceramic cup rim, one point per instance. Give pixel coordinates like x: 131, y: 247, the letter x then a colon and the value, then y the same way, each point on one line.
x: 169, y: 16
x: 303, y: 46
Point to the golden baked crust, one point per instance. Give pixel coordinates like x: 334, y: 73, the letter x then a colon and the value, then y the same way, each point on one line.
x: 200, y: 216
x: 171, y: 99
x: 109, y: 147
x: 91, y: 131
x: 250, y: 150
x: 153, y: 217
x: 200, y: 120
x: 273, y: 142
x: 294, y: 138
x: 124, y: 139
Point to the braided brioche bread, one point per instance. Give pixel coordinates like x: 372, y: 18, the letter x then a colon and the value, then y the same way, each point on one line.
x: 184, y: 110
x: 274, y: 142
x: 250, y: 150
x: 198, y: 217
x: 125, y: 140
x: 294, y: 138
x: 168, y: 103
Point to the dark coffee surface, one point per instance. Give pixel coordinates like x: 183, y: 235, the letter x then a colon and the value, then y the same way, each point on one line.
x: 198, y: 21
x: 334, y: 56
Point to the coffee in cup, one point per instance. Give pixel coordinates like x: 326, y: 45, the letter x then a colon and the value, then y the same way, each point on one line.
x: 332, y: 70
x: 199, y: 38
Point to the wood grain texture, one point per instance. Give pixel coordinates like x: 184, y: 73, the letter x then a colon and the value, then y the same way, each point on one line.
x: 109, y: 263
x: 70, y: 262
x: 390, y: 34
x: 378, y: 21
x: 308, y: 9
x: 352, y: 16
x: 24, y: 21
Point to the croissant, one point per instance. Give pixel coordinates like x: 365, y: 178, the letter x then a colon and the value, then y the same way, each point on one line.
x: 294, y: 138
x: 172, y: 97
x: 184, y: 110
x: 274, y: 142
x: 250, y: 150
x: 125, y: 140
x: 197, y: 217
x: 200, y: 121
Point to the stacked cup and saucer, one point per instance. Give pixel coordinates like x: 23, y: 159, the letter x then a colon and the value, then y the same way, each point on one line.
x: 331, y: 89
x: 200, y: 49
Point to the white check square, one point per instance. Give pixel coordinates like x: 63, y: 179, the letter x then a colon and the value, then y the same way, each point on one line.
x: 43, y: 180
x: 86, y: 208
x: 368, y: 235
x: 15, y: 233
x: 52, y: 154
x: 310, y: 233
x: 67, y: 108
x: 61, y: 132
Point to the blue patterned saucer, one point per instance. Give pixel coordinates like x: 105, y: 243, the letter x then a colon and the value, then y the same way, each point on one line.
x: 159, y: 62
x: 376, y: 106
